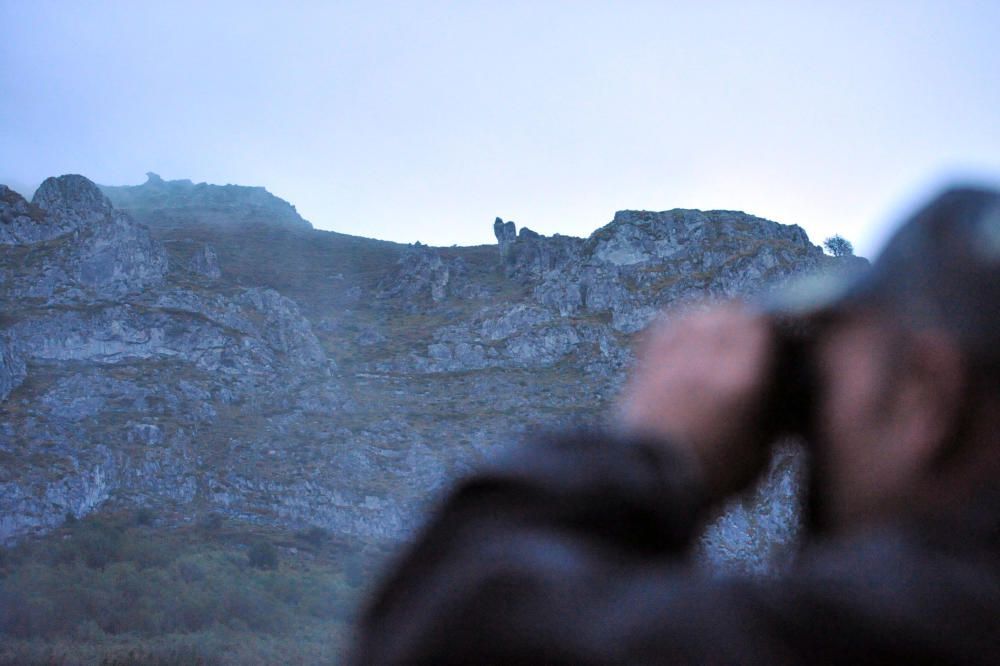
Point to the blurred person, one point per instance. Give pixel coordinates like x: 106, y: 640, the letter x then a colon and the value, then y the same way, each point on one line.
x: 576, y: 548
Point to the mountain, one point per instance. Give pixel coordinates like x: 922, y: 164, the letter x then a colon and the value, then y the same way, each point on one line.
x: 202, y: 350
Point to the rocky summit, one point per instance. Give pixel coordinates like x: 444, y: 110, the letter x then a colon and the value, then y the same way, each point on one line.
x: 203, y: 350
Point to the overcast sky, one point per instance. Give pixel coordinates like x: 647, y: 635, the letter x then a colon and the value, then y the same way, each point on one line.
x: 425, y: 120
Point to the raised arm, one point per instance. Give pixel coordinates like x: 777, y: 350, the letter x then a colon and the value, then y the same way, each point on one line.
x: 544, y: 553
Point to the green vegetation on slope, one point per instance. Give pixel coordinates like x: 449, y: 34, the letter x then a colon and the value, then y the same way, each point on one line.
x: 115, y: 590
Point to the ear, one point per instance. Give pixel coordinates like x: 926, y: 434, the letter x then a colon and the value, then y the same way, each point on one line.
x: 931, y: 388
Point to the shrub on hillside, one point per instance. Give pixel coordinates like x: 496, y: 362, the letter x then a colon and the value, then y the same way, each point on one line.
x: 315, y: 536
x: 144, y: 516
x: 211, y: 522
x: 163, y: 595
x: 263, y: 555
x: 93, y: 542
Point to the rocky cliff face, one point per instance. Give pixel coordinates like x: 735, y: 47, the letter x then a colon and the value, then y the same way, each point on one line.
x: 202, y: 349
x: 111, y: 365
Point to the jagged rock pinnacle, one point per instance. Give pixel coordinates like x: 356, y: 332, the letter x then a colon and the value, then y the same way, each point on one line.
x: 506, y: 233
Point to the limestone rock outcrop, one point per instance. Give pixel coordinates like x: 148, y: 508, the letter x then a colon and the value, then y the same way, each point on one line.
x: 205, y: 262
x: 71, y: 246
x: 202, y: 349
x: 110, y: 367
x: 12, y: 368
x: 20, y: 222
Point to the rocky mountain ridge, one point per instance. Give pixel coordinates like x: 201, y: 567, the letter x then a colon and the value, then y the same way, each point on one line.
x: 202, y: 350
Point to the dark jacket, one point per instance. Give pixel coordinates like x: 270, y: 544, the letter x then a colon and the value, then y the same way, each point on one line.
x: 574, y: 550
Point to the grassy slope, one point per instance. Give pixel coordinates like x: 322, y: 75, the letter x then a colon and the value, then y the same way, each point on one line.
x: 315, y: 268
x: 115, y: 589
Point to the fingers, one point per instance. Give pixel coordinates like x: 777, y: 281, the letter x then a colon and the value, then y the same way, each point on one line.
x: 700, y: 382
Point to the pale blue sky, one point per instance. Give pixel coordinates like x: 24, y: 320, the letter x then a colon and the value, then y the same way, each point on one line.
x: 425, y: 120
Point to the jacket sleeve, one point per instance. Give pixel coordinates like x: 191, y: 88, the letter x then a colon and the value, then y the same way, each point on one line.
x: 574, y: 550
x: 528, y: 558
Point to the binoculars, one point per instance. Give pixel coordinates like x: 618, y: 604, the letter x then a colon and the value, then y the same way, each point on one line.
x: 794, y: 384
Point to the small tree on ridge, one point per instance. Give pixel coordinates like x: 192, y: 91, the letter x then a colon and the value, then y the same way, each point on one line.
x: 838, y: 246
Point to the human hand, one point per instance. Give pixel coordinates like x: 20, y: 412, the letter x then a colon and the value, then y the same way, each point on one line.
x: 701, y: 383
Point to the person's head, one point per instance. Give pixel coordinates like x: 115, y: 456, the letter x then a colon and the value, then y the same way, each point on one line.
x: 907, y: 414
